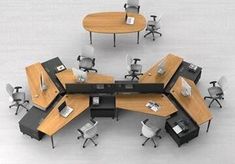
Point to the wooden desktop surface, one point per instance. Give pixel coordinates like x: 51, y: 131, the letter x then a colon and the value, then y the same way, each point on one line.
x: 194, y: 105
x: 113, y: 22
x: 54, y: 121
x: 137, y: 102
x: 172, y: 63
x: 39, y: 98
x: 66, y: 77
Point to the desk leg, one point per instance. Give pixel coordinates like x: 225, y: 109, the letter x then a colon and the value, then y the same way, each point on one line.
x: 117, y: 114
x: 138, y: 37
x: 208, y: 126
x: 90, y: 37
x: 114, y: 40
x: 52, y: 142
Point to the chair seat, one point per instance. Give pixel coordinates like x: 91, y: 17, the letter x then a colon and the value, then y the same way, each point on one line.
x: 86, y: 126
x: 154, y: 24
x: 213, y: 91
x: 132, y: 9
x: 19, y: 95
x: 86, y: 63
x: 136, y: 67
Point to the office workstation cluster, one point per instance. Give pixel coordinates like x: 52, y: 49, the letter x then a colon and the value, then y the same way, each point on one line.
x: 104, y: 97
x: 167, y: 89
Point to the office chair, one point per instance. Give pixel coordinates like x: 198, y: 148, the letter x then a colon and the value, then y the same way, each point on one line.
x: 87, y: 59
x: 216, y: 92
x: 149, y: 132
x: 153, y: 26
x: 88, y: 132
x: 16, y: 97
x: 134, y: 69
x: 132, y: 6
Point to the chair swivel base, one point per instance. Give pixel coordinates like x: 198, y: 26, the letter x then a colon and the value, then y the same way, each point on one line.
x: 84, y: 144
x: 213, y: 99
x: 18, y: 106
x: 153, y: 32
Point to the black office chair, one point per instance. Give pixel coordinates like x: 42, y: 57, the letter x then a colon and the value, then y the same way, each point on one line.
x: 134, y: 69
x: 17, y: 97
x: 149, y: 132
x: 153, y: 26
x: 217, y: 91
x: 132, y: 6
x: 87, y: 59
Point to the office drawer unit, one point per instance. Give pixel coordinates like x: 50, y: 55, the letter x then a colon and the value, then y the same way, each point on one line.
x: 105, y: 108
x: 30, y: 122
x: 183, y: 71
x: 182, y: 137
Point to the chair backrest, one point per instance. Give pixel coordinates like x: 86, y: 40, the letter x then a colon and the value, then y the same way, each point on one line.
x: 223, y: 83
x: 128, y: 62
x: 147, y: 131
x: 10, y: 91
x: 88, y: 51
x: 91, y: 132
x: 133, y: 3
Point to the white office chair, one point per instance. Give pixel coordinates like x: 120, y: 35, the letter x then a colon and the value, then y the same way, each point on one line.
x: 153, y: 26
x: 134, y: 69
x: 88, y: 132
x: 216, y: 92
x: 149, y: 132
x: 132, y: 6
x: 16, y: 97
x: 87, y: 59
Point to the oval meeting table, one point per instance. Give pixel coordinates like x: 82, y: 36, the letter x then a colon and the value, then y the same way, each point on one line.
x: 113, y: 23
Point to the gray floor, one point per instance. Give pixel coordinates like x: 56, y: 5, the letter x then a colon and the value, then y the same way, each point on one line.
x: 201, y: 31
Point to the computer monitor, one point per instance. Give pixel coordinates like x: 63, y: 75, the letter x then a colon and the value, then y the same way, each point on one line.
x: 80, y: 75
x: 186, y: 89
x: 161, y: 67
x: 43, y: 85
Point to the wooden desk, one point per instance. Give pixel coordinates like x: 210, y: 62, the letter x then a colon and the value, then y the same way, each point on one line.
x: 137, y: 102
x: 194, y: 105
x: 66, y: 77
x: 54, y: 121
x: 113, y: 23
x: 40, y: 99
x: 172, y: 62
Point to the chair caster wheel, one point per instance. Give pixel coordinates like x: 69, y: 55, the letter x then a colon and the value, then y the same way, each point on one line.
x: 78, y: 138
x: 155, y: 146
x: 141, y: 134
x: 95, y: 144
x: 97, y: 135
x: 15, y: 113
x: 83, y: 146
x: 27, y: 110
x: 142, y: 144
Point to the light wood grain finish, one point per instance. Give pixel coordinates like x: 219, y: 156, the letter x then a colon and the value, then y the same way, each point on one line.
x: 54, y: 121
x: 66, y: 77
x: 113, y: 22
x: 194, y: 105
x: 172, y: 63
x: 40, y: 99
x: 137, y: 102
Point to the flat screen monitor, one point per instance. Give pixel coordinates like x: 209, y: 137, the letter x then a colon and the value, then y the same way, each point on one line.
x: 43, y: 85
x: 186, y: 89
x: 161, y: 67
x: 79, y: 75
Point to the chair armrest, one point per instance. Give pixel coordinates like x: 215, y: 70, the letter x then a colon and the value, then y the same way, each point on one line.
x: 138, y: 9
x: 146, y: 120
x: 219, y: 94
x: 136, y: 60
x: 213, y: 83
x: 79, y: 58
x: 16, y: 100
x: 93, y: 61
x: 125, y: 5
x: 81, y: 132
x: 17, y: 88
x: 154, y: 17
x: 93, y: 121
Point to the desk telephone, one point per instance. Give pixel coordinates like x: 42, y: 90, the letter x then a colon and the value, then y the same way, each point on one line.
x: 183, y: 125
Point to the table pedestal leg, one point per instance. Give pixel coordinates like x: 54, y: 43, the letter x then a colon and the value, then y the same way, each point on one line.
x: 52, y: 142
x: 114, y: 40
x: 138, y: 37
x: 90, y: 37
